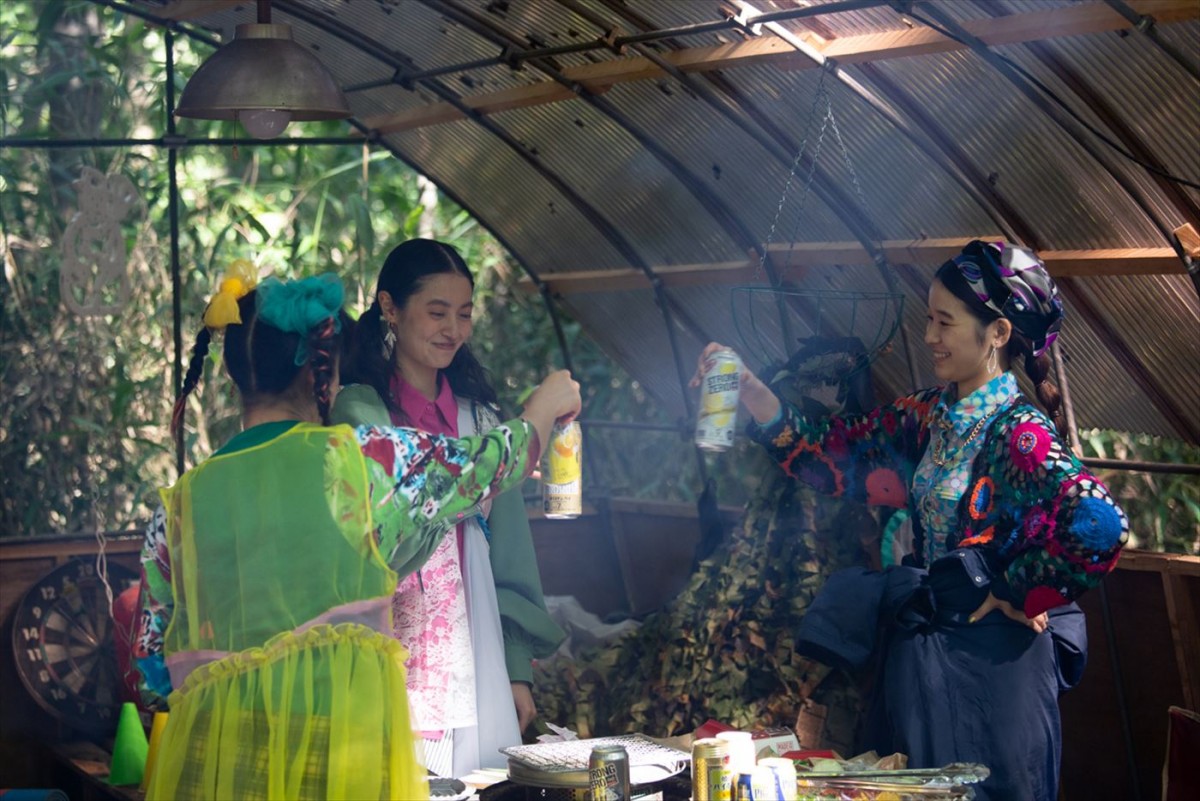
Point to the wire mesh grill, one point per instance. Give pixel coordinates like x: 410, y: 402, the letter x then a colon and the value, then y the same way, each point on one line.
x: 774, y: 324
x: 573, y: 755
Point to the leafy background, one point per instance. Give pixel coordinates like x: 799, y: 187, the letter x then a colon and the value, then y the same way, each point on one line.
x: 83, y: 412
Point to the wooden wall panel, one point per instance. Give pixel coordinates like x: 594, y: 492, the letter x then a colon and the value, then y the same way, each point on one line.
x: 577, y: 557
x: 636, y: 556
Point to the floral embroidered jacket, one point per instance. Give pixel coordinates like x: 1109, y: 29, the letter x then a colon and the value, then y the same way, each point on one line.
x: 419, y: 484
x: 1050, y: 530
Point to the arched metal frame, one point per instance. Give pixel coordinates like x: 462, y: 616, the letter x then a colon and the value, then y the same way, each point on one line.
x: 737, y: 109
x: 724, y: 98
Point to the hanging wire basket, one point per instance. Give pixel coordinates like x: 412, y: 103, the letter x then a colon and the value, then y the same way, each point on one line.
x: 816, y: 336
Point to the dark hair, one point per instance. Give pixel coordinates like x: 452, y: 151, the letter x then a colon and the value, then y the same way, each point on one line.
x: 403, y: 273
x: 1037, y: 368
x: 261, y: 359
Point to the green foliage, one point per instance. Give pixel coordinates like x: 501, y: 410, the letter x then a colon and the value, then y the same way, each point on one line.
x: 1163, y: 508
x: 83, y: 439
x: 83, y: 434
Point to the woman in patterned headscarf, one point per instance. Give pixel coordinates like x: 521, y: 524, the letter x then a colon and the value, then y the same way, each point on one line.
x: 981, y: 631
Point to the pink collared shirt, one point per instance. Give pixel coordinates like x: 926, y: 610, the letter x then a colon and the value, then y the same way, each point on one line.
x: 437, y: 416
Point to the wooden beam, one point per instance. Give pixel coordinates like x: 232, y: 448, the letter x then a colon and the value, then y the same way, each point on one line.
x: 808, y: 255
x: 731, y: 272
x: 1088, y: 18
x: 1118, y: 261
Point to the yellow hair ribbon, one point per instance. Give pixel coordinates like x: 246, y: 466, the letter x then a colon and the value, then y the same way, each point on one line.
x: 222, y: 310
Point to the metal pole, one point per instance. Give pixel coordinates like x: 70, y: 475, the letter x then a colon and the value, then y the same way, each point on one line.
x: 514, y: 57
x: 1119, y: 691
x: 544, y: 291
x: 175, y: 141
x: 173, y: 214
x: 1141, y: 467
x: 1068, y: 408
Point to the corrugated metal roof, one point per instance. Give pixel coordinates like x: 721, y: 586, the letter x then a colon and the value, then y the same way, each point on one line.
x: 665, y: 171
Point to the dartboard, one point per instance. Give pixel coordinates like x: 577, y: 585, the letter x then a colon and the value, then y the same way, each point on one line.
x: 63, y: 643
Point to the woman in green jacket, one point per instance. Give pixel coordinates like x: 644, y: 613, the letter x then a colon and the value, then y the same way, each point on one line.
x: 476, y: 603
x: 269, y: 569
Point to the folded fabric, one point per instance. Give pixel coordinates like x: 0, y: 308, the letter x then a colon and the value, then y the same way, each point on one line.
x: 840, y: 627
x: 850, y: 615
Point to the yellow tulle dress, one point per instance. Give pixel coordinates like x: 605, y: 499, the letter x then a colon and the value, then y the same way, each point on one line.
x: 288, y: 683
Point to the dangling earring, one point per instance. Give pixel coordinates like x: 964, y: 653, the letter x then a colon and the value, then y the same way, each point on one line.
x: 993, y: 362
x: 389, y: 341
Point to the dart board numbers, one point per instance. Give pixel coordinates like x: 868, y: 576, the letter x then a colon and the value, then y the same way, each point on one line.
x: 63, y: 644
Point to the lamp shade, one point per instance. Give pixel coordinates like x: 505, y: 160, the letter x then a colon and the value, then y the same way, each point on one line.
x: 262, y: 69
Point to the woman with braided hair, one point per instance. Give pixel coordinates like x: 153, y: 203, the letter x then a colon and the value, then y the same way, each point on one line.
x: 472, y: 616
x: 268, y: 572
x: 973, y: 638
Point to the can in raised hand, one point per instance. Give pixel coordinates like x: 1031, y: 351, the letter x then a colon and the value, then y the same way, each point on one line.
x: 562, y: 478
x: 718, y: 401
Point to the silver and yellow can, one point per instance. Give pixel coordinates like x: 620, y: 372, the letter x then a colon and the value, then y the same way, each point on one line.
x: 718, y: 401
x: 711, y: 778
x: 608, y: 773
x: 562, y: 473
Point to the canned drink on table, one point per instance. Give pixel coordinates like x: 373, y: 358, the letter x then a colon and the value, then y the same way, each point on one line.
x: 562, y: 481
x: 711, y: 778
x: 785, y: 776
x: 743, y: 787
x: 718, y: 401
x: 608, y: 773
x: 764, y: 785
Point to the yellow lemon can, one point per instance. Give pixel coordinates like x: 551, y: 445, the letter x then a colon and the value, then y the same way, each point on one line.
x: 562, y: 473
x: 718, y: 401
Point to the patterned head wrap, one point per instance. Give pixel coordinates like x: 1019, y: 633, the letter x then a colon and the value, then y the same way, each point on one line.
x: 1013, y: 282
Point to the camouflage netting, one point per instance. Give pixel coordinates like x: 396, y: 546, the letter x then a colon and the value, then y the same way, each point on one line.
x: 723, y: 648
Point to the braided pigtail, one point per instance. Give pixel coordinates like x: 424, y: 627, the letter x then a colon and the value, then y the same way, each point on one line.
x: 1038, y: 370
x: 194, y: 371
x: 321, y: 343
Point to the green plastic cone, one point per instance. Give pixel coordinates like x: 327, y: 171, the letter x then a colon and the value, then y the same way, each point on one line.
x: 129, y: 751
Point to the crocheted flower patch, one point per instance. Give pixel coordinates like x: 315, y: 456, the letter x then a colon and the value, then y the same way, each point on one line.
x: 1029, y: 446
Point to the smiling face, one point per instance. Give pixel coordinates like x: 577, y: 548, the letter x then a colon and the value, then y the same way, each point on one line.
x: 432, y: 325
x: 960, y: 342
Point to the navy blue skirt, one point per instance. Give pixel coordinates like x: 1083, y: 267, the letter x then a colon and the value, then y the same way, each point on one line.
x: 945, y: 690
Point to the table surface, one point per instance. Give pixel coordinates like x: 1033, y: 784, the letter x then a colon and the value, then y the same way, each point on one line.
x: 91, y: 762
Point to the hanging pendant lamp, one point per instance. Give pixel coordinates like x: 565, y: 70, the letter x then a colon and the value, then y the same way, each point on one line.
x: 263, y: 79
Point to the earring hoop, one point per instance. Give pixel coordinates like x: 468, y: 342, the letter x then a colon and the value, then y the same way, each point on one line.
x: 993, y: 362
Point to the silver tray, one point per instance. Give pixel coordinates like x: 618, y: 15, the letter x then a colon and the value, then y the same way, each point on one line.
x: 566, y: 764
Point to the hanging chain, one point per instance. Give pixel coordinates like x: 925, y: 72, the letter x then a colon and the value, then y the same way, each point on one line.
x: 858, y: 190
x: 821, y: 94
x: 808, y: 182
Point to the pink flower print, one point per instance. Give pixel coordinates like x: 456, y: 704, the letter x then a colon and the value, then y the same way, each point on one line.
x: 884, y: 488
x: 1029, y: 446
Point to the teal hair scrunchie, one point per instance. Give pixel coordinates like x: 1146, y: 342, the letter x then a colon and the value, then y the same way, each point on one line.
x: 297, y: 307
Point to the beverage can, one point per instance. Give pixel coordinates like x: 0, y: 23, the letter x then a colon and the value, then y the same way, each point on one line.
x: 718, y: 401
x: 711, y: 778
x: 562, y: 478
x: 608, y: 773
x: 785, y: 776
x: 764, y: 784
x: 741, y: 750
x: 743, y: 787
